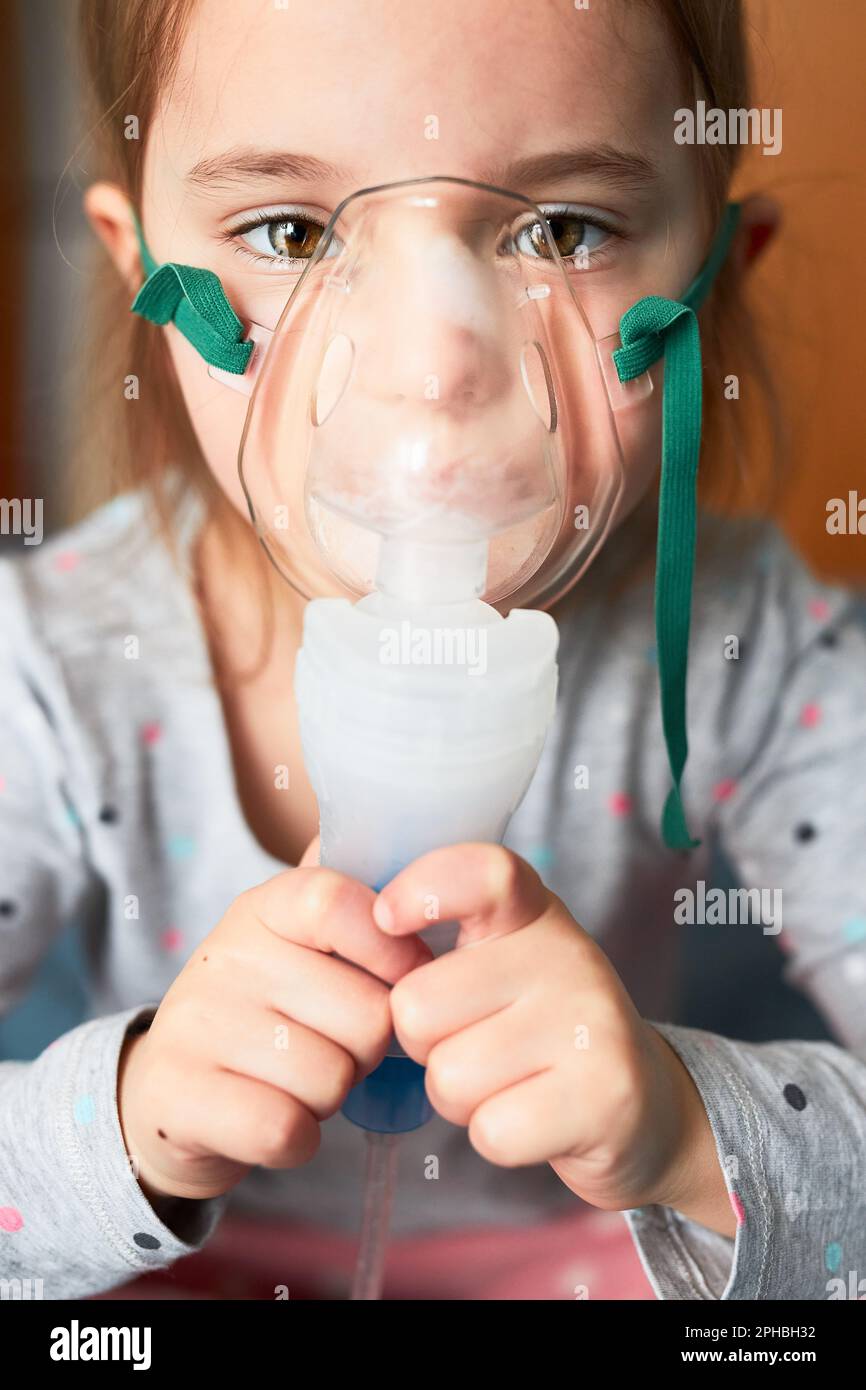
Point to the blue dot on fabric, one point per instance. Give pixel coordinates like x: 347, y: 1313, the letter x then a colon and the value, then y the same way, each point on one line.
x: 833, y: 1256
x: 181, y: 846
x: 794, y: 1096
x: 145, y: 1241
x: 541, y: 857
x: 84, y: 1110
x: 855, y: 929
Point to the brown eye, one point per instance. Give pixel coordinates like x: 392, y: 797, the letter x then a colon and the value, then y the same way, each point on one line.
x: 289, y: 235
x: 568, y: 233
x: 296, y: 239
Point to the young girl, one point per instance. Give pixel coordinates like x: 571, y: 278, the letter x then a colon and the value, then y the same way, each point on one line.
x: 147, y: 700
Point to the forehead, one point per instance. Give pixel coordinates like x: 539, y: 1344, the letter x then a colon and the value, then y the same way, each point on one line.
x: 366, y: 83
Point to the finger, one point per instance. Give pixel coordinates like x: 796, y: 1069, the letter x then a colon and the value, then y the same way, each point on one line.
x: 452, y: 993
x: 531, y: 969
x: 284, y: 1053
x: 238, y: 1118
x: 335, y: 999
x: 486, y: 888
x: 531, y: 1122
x: 327, y: 911
x: 468, y: 1067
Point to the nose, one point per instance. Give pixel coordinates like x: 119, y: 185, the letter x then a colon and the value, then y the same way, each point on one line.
x: 435, y: 332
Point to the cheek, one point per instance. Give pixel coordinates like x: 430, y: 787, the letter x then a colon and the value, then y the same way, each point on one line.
x: 640, y: 435
x: 217, y: 414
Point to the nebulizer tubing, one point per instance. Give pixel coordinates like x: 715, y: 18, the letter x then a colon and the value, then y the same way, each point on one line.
x: 379, y: 1183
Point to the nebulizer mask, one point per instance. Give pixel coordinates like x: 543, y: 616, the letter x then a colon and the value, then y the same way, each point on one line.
x: 433, y: 439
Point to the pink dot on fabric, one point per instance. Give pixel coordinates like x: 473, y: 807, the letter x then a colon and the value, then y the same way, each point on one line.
x: 171, y: 939
x: 620, y: 804
x: 819, y: 608
x: 2, y: 783
x: 152, y: 732
x: 10, y: 1219
x: 739, y: 1211
x: 67, y: 560
x: 724, y: 790
x: 810, y: 715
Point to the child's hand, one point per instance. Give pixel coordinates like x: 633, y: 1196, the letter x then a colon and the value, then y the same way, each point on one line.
x: 261, y: 1035
x: 530, y: 1039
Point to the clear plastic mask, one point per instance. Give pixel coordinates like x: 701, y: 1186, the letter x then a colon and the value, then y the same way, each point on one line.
x: 433, y: 416
x: 434, y: 419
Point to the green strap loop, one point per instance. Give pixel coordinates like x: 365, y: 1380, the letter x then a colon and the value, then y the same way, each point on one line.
x: 195, y: 301
x: 650, y: 329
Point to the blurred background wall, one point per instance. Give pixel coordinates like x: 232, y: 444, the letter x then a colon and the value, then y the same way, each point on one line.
x: 810, y: 288
x: 43, y: 288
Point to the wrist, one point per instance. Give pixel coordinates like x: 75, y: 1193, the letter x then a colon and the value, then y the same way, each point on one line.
x: 179, y: 1214
x: 135, y: 1038
x: 693, y: 1182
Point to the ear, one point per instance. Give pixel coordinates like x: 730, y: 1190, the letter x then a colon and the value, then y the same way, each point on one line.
x: 760, y: 217
x: 110, y: 213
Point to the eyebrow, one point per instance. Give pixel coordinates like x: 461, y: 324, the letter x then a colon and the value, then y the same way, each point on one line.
x: 619, y: 168
x: 242, y: 163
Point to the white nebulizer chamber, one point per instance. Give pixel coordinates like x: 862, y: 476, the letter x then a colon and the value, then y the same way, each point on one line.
x: 422, y: 724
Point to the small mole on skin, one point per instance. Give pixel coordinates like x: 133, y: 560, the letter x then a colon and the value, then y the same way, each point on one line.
x: 162, y: 1134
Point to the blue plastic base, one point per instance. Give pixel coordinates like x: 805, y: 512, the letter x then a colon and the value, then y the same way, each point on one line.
x: 391, y: 1100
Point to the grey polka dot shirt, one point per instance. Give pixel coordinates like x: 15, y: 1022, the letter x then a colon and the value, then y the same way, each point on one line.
x: 119, y: 810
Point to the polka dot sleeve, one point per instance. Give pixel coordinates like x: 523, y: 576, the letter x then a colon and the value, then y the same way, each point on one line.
x: 789, y: 1117
x: 71, y: 1211
x: 72, y: 1215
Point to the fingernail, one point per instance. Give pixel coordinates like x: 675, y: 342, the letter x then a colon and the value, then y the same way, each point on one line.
x: 382, y: 915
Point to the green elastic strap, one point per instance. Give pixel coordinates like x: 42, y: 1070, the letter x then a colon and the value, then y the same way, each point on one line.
x: 194, y: 300
x: 650, y: 329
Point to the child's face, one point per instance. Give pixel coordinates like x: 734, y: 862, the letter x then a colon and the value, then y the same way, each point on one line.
x: 276, y: 111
